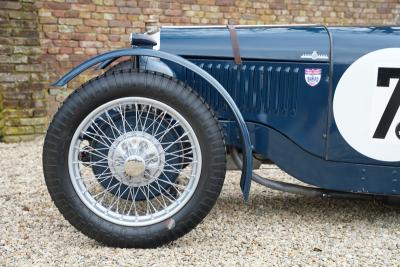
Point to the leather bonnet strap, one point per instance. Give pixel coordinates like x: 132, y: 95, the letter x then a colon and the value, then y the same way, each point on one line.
x: 235, y: 44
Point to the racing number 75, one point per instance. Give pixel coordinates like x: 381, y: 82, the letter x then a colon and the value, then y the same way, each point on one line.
x: 384, y: 76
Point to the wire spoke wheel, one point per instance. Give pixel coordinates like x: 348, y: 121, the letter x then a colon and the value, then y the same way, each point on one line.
x: 134, y: 161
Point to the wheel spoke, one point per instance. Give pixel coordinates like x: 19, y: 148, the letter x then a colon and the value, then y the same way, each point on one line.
x: 93, y: 136
x: 96, y: 153
x: 154, y: 123
x: 159, y: 124
x: 102, y: 135
x: 147, y: 116
x: 166, y: 131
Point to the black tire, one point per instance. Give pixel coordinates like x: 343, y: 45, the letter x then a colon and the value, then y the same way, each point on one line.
x: 111, y: 86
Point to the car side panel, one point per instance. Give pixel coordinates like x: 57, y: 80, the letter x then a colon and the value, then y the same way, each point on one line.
x: 270, y: 93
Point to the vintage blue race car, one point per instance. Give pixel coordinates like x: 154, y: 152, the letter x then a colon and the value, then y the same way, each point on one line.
x: 137, y: 156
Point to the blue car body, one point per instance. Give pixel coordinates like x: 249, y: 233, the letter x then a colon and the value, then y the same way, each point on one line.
x: 285, y: 89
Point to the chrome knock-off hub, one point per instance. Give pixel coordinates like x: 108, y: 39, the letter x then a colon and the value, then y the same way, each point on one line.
x: 135, y: 166
x: 136, y: 158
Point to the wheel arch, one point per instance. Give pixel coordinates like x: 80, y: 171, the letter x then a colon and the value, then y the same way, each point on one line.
x: 107, y: 58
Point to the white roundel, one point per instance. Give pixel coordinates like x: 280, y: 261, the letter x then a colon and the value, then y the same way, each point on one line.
x: 366, y: 105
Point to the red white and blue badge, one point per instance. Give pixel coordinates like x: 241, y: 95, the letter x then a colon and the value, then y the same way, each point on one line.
x: 312, y: 76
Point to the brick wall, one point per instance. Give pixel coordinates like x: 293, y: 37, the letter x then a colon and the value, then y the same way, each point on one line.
x: 23, y: 75
x: 40, y: 40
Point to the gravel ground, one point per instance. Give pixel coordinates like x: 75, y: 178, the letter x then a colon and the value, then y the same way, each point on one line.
x: 273, y: 228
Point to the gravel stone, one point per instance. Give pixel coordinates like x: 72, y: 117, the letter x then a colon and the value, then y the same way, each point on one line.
x: 272, y: 229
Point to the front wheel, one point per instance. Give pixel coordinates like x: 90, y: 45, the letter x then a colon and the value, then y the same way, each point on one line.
x: 134, y: 159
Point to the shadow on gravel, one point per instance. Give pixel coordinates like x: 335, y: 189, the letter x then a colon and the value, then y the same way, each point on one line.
x: 328, y: 210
